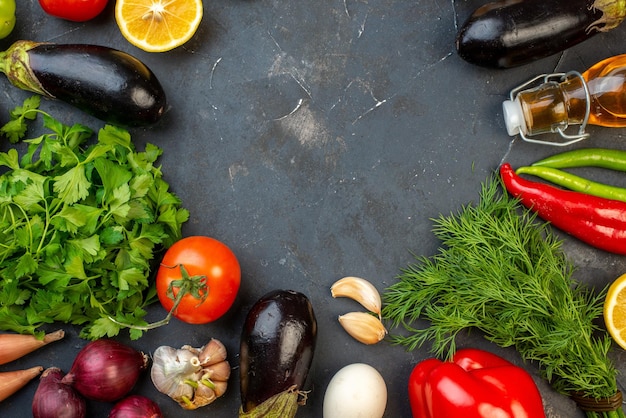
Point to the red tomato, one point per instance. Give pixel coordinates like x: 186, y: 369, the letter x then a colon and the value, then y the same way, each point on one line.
x: 200, y: 256
x: 76, y: 10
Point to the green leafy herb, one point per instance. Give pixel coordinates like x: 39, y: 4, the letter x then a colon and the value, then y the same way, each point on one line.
x: 502, y: 272
x: 80, y: 223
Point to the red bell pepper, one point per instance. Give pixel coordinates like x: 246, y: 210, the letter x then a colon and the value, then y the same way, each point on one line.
x: 475, y: 384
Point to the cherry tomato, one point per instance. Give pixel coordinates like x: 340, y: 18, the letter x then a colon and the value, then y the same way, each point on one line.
x: 7, y: 17
x: 212, y: 268
x: 76, y: 10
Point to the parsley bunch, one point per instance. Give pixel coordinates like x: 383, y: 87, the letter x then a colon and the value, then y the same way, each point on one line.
x: 80, y: 222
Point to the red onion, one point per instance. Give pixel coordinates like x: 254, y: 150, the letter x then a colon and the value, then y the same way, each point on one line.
x: 106, y: 370
x: 136, y: 406
x: 54, y: 399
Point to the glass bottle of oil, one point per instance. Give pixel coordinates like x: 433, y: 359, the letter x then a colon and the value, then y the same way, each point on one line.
x: 596, y: 97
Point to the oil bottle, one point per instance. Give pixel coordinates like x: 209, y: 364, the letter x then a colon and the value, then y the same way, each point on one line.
x: 596, y: 97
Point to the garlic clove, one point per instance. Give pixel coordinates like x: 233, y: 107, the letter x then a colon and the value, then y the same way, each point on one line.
x: 363, y: 327
x: 220, y: 388
x: 359, y: 290
x: 213, y: 352
x: 219, y: 371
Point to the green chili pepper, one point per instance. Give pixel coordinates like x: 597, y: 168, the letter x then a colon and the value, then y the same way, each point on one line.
x: 574, y: 182
x: 587, y: 157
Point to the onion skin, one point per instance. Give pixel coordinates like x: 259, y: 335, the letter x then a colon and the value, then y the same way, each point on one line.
x: 136, y: 406
x: 54, y: 399
x: 106, y: 370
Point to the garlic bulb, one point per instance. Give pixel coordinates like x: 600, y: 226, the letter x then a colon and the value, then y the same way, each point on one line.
x: 193, y: 377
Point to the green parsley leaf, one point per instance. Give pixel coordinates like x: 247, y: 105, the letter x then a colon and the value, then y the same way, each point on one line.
x: 81, y: 219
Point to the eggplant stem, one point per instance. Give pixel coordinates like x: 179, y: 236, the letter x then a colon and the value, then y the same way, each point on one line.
x: 195, y: 286
x: 15, y: 64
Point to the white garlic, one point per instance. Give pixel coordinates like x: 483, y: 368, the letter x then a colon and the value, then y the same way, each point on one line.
x: 363, y: 327
x: 193, y: 377
x: 359, y: 290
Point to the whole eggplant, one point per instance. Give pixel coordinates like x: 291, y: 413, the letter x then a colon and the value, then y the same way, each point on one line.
x: 101, y: 81
x: 277, y: 346
x: 510, y: 33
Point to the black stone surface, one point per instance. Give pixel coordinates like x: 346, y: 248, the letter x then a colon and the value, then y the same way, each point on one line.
x: 317, y: 140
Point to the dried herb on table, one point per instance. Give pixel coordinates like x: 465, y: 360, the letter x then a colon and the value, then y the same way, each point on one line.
x: 501, y: 271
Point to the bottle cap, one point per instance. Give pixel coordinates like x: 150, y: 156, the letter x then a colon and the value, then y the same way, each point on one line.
x: 513, y: 117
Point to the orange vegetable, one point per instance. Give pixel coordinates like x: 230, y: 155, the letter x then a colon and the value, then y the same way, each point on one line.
x: 11, y: 382
x: 14, y: 346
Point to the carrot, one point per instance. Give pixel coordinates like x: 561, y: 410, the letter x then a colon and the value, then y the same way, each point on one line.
x: 14, y: 346
x: 11, y: 382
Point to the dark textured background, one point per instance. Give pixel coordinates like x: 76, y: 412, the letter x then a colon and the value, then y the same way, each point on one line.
x: 317, y: 140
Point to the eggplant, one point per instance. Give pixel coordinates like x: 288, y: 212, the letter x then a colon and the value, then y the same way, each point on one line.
x: 510, y: 33
x: 277, y: 346
x: 104, y: 82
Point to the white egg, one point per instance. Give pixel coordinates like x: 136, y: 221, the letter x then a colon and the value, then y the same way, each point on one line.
x: 356, y: 391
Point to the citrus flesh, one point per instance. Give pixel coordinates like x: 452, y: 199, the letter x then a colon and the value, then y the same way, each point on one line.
x: 615, y: 311
x: 158, y: 25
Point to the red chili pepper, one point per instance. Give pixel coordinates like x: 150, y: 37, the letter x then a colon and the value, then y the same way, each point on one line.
x: 598, y: 221
x: 475, y: 384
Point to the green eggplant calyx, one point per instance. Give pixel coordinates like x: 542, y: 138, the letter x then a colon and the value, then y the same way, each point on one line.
x: 613, y: 13
x: 14, y: 63
x: 282, y: 405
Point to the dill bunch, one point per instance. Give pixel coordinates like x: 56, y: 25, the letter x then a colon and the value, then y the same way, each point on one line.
x: 501, y: 271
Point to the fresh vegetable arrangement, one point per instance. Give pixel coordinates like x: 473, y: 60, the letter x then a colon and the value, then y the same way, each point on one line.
x: 505, y: 34
x: 83, y: 219
x: 81, y: 224
x: 276, y: 351
x: 501, y: 271
x: 474, y: 384
x: 106, y: 83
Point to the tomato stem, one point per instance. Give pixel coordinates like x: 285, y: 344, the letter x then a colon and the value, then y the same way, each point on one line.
x: 196, y: 286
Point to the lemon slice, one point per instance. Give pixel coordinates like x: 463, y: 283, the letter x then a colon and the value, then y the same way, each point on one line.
x: 615, y: 311
x: 158, y: 25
